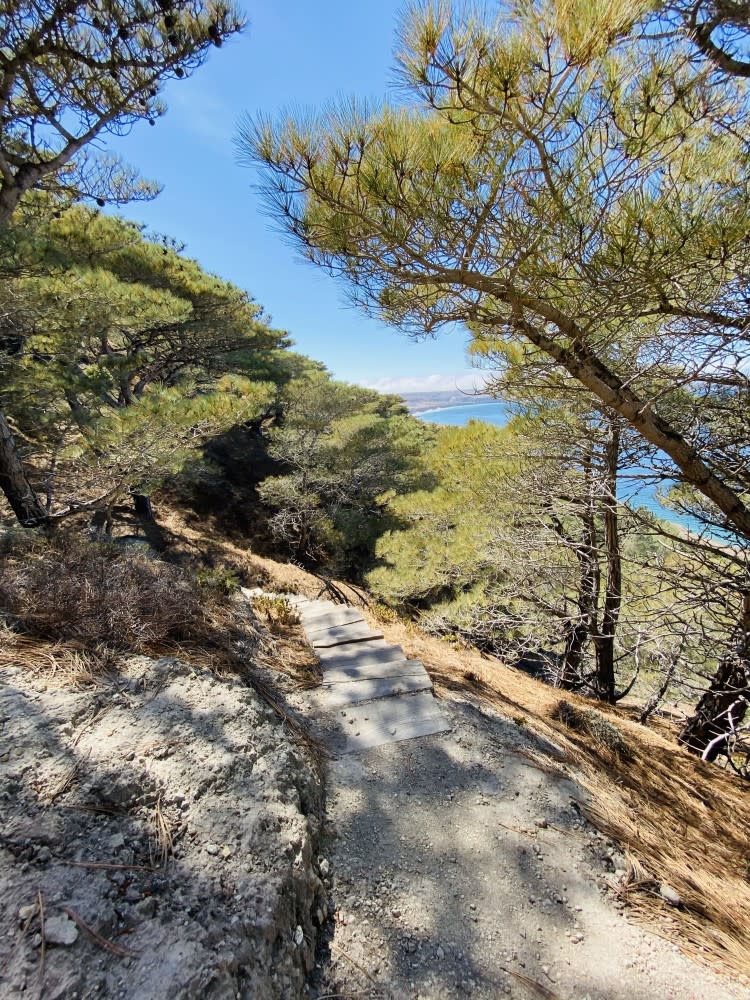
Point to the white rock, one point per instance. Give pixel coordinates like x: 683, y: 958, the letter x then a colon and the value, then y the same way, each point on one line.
x: 670, y: 895
x: 60, y: 929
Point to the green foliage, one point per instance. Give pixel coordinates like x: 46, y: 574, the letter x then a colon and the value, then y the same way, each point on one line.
x: 72, y: 72
x: 346, y: 452
x: 569, y: 191
x: 127, y: 357
x: 219, y: 578
x: 275, y: 610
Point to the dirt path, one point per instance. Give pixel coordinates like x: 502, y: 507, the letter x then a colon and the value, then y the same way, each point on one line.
x: 458, y: 868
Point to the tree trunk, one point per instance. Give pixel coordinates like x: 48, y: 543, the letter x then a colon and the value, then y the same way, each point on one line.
x: 730, y: 687
x: 569, y: 675
x: 143, y: 507
x: 151, y: 529
x: 19, y: 492
x: 604, y: 682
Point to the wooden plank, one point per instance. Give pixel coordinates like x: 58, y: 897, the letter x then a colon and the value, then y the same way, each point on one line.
x: 354, y: 671
x: 342, y: 634
x: 390, y: 720
x: 368, y: 651
x: 352, y: 692
x: 312, y: 608
x: 329, y: 619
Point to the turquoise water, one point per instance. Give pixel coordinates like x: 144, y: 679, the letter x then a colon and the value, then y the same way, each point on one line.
x: 637, y: 494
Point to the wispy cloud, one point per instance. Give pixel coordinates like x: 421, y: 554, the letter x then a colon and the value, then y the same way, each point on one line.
x: 464, y: 381
x: 202, y: 113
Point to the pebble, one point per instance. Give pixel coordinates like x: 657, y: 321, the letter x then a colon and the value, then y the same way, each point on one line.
x: 212, y: 848
x: 146, y: 907
x: 60, y: 929
x: 670, y: 895
x: 26, y: 912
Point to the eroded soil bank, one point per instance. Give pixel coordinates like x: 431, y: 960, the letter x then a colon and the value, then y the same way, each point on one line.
x: 167, y: 811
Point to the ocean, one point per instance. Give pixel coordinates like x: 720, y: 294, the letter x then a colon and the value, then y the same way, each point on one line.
x: 638, y: 494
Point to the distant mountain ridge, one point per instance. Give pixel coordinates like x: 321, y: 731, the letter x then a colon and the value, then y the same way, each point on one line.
x: 420, y: 402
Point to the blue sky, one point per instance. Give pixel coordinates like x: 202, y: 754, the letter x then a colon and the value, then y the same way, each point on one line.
x: 293, y: 54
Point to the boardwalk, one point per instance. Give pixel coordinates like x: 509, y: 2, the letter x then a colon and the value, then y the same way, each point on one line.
x: 372, y: 691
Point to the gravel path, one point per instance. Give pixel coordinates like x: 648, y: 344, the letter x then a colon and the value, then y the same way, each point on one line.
x: 458, y: 868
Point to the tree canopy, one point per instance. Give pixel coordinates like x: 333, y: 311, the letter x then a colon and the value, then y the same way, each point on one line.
x: 71, y: 72
x: 553, y: 186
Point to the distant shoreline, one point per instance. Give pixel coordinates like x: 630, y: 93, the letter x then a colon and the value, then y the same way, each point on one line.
x: 419, y: 403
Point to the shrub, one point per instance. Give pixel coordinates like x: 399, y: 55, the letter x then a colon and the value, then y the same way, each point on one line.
x: 67, y: 587
x: 592, y: 724
x: 275, y: 610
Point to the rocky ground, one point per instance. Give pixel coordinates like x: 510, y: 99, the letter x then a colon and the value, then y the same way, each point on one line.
x: 158, y: 838
x: 459, y: 868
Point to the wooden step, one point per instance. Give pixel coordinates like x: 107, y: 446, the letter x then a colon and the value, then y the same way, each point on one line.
x: 331, y: 619
x: 354, y: 671
x: 342, y: 634
x: 368, y: 651
x: 353, y: 692
x: 389, y: 720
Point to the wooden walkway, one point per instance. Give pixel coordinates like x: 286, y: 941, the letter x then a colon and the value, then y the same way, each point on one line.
x: 372, y: 691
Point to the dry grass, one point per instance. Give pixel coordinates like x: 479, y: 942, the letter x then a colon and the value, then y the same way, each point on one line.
x: 95, y: 595
x: 680, y: 820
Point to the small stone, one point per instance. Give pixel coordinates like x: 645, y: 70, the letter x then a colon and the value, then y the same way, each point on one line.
x: 27, y: 912
x: 146, y: 907
x: 43, y: 854
x: 670, y: 895
x: 325, y: 867
x: 541, y: 823
x: 60, y: 929
x: 212, y: 849
x: 439, y: 953
x: 226, y: 852
x: 299, y: 936
x: 116, y: 841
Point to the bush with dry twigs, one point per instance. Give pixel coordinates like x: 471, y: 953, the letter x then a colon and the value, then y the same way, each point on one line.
x: 94, y: 593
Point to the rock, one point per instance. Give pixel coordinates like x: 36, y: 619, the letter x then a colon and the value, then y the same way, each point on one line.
x: 146, y: 907
x: 439, y: 953
x: 670, y: 895
x: 26, y: 912
x: 299, y: 936
x: 212, y: 849
x: 116, y: 841
x: 60, y: 929
x: 325, y: 868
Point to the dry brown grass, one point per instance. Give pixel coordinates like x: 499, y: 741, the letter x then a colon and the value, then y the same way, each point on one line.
x: 682, y: 821
x: 95, y: 595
